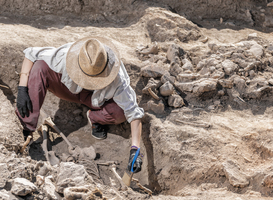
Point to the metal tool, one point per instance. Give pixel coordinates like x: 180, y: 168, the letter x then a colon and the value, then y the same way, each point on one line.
x: 128, y: 175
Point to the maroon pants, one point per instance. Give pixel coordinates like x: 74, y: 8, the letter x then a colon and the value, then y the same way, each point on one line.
x: 42, y: 78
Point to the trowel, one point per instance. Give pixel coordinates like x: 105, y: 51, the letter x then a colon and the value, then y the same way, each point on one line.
x: 128, y: 175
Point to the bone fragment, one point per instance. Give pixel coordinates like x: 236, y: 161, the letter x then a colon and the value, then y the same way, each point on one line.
x: 194, y: 124
x: 153, y: 94
x: 26, y: 143
x: 4, y: 86
x: 142, y: 187
x: 107, y: 163
x: 123, y: 186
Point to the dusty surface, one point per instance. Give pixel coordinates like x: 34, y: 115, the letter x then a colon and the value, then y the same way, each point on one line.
x: 217, y: 146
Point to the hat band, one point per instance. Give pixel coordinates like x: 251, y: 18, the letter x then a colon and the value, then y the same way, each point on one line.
x: 95, y: 74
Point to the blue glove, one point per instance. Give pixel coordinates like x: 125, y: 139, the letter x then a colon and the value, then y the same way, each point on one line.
x: 138, y: 161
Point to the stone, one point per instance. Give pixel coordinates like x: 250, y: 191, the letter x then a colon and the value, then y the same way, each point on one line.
x: 268, y: 181
x: 229, y: 67
x: 22, y: 187
x: 252, y: 65
x: 166, y: 89
x: 205, y: 85
x: 175, y: 69
x: 71, y: 174
x: 256, y: 50
x: 156, y: 108
x: 174, y: 51
x: 167, y: 77
x: 6, y: 195
x: 239, y: 83
x: 270, y: 81
x: 187, y: 65
x: 49, y: 189
x: 175, y: 101
x: 217, y: 74
x: 270, y: 4
x: 152, y: 71
x: 234, y: 175
x: 252, y: 74
x: 185, y: 87
x: 226, y: 83
x: 187, y: 77
x: 4, y: 174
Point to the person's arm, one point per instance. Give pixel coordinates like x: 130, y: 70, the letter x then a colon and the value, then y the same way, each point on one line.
x: 136, y: 129
x: 26, y: 67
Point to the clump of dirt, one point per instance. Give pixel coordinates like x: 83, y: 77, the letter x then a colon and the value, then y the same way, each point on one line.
x: 206, y: 91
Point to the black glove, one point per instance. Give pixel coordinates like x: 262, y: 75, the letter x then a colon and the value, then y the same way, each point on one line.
x: 24, y: 104
x: 138, y: 162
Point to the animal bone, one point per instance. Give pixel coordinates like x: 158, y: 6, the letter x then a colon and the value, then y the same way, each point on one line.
x: 194, y: 124
x: 153, y: 94
x: 123, y: 186
x: 142, y: 187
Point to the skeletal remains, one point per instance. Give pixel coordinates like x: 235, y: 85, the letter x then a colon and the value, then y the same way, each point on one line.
x: 83, y: 156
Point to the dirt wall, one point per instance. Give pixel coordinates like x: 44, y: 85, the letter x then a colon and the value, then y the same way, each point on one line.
x: 127, y: 11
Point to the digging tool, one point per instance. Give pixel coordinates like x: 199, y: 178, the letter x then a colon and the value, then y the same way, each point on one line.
x: 50, y: 155
x: 128, y: 175
x: 49, y: 122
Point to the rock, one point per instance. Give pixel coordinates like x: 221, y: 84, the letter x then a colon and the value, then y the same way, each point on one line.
x: 270, y: 4
x: 252, y: 35
x: 152, y: 71
x: 156, y: 108
x: 167, y: 77
x: 174, y: 51
x: 187, y: 77
x: 49, y: 189
x: 151, y: 50
x: 6, y: 195
x: 229, y: 67
x: 252, y: 74
x: 268, y: 181
x: 4, y: 174
x: 175, y: 101
x: 205, y: 85
x: 234, y: 175
x: 270, y: 81
x: 187, y: 65
x: 175, y: 69
x: 256, y: 50
x: 217, y: 74
x: 239, y: 83
x: 22, y: 187
x: 166, y: 89
x: 71, y: 174
x: 185, y: 87
x: 153, y: 84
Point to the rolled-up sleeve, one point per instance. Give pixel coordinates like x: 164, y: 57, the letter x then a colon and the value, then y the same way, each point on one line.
x: 38, y: 53
x: 125, y: 97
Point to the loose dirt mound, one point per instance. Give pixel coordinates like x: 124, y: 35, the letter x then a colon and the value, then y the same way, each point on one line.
x: 207, y: 95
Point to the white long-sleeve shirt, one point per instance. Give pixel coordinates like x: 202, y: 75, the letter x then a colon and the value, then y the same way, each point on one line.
x: 120, y: 89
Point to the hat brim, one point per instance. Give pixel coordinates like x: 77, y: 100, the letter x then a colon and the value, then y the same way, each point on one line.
x: 93, y: 82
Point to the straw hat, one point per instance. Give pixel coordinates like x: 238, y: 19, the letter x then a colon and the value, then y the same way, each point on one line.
x: 93, y: 62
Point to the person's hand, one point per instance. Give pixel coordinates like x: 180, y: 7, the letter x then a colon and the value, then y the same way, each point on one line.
x: 24, y: 104
x: 138, y: 162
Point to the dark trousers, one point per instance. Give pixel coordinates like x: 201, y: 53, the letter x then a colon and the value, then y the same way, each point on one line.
x: 42, y: 78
